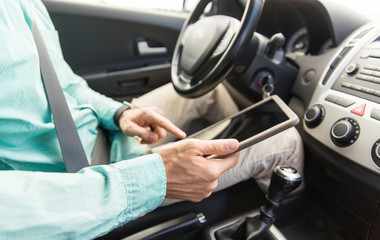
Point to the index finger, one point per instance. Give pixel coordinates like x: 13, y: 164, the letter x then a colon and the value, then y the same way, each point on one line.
x: 166, y: 124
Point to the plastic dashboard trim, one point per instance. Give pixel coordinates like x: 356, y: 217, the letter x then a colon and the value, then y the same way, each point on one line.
x: 349, y: 171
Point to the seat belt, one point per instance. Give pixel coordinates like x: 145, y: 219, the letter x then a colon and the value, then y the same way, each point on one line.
x: 71, y: 147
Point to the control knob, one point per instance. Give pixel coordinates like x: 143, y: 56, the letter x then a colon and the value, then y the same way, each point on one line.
x: 376, y: 153
x: 352, y: 69
x: 314, y: 115
x: 345, y: 132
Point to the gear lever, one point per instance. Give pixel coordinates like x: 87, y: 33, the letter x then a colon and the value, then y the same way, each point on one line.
x: 284, y: 180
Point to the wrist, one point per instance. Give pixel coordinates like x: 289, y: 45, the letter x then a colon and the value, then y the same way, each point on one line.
x: 119, y: 112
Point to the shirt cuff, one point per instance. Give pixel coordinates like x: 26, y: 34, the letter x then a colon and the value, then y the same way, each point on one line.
x: 117, y: 114
x: 145, y: 184
x: 107, y: 115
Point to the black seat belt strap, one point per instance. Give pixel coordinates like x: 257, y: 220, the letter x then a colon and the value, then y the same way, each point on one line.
x: 71, y: 146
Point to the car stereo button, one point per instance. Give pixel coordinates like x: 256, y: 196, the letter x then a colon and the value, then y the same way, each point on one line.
x: 367, y: 72
x: 344, y: 102
x: 368, y: 90
x: 332, y: 98
x: 376, y: 74
x: 376, y: 80
x: 346, y: 85
x: 365, y: 55
x: 356, y: 87
x: 352, y: 69
x: 370, y: 67
x: 359, y: 110
x: 365, y: 77
x: 375, y: 114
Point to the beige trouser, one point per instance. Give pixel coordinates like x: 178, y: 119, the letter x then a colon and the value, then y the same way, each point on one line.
x: 257, y: 161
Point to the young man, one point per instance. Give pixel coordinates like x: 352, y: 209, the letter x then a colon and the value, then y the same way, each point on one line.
x: 40, y: 201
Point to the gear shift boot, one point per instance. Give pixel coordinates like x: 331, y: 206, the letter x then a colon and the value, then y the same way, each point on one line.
x: 248, y: 228
x: 283, y: 181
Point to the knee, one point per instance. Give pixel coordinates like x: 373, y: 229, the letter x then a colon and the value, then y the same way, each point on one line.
x: 286, y: 148
x: 291, y: 139
x: 295, y: 157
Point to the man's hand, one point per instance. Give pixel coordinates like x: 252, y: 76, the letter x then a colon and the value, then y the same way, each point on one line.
x: 191, y: 176
x: 150, y: 124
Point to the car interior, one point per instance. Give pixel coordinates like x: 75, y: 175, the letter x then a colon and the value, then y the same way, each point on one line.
x: 320, y: 57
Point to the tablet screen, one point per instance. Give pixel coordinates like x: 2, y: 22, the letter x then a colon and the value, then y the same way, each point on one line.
x: 247, y: 123
x: 254, y: 121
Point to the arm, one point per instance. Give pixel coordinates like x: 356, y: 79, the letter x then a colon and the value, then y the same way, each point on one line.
x: 36, y: 205
x: 75, y: 88
x: 84, y: 205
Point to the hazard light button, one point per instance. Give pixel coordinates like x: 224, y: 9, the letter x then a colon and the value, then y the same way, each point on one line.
x: 359, y: 110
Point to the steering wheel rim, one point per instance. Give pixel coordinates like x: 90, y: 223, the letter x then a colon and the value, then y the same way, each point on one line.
x: 196, y: 85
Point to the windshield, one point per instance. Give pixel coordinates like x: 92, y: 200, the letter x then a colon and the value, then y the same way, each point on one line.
x: 369, y: 7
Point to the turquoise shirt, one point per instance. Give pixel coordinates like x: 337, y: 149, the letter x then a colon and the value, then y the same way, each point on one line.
x: 37, y: 199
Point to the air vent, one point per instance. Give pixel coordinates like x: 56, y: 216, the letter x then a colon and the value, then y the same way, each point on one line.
x: 362, y: 33
x: 336, y: 61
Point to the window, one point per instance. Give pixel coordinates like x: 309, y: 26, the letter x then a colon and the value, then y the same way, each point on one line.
x: 172, y: 5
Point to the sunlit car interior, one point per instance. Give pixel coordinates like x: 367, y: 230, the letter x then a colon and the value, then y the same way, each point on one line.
x: 323, y: 59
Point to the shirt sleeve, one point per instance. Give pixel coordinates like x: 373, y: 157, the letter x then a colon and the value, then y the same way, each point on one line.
x: 83, y: 205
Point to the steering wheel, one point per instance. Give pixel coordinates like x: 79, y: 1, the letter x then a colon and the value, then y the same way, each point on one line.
x: 208, y: 48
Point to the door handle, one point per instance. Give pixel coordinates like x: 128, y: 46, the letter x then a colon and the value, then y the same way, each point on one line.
x: 144, y: 49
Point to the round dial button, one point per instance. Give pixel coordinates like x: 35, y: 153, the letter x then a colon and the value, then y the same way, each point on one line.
x: 314, y: 116
x: 342, y: 131
x: 352, y: 69
x: 345, y: 132
x: 376, y: 153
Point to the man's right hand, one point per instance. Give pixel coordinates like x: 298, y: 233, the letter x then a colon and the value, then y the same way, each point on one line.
x: 191, y: 176
x: 148, y: 123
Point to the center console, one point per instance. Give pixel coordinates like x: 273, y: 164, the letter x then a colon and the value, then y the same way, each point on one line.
x: 342, y: 134
x: 344, y: 113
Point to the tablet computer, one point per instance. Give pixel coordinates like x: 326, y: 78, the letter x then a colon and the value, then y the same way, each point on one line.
x: 253, y: 124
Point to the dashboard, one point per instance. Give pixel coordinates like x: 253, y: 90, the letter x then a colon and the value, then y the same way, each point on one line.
x: 306, y: 30
x: 337, y: 94
x: 336, y: 90
x: 342, y: 95
x: 344, y: 112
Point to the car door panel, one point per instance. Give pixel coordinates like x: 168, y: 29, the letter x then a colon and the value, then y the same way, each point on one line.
x: 120, y: 52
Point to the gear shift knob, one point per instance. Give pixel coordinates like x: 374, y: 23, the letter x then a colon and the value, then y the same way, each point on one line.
x: 284, y: 180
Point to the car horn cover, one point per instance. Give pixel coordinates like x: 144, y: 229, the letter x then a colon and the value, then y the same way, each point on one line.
x: 208, y: 48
